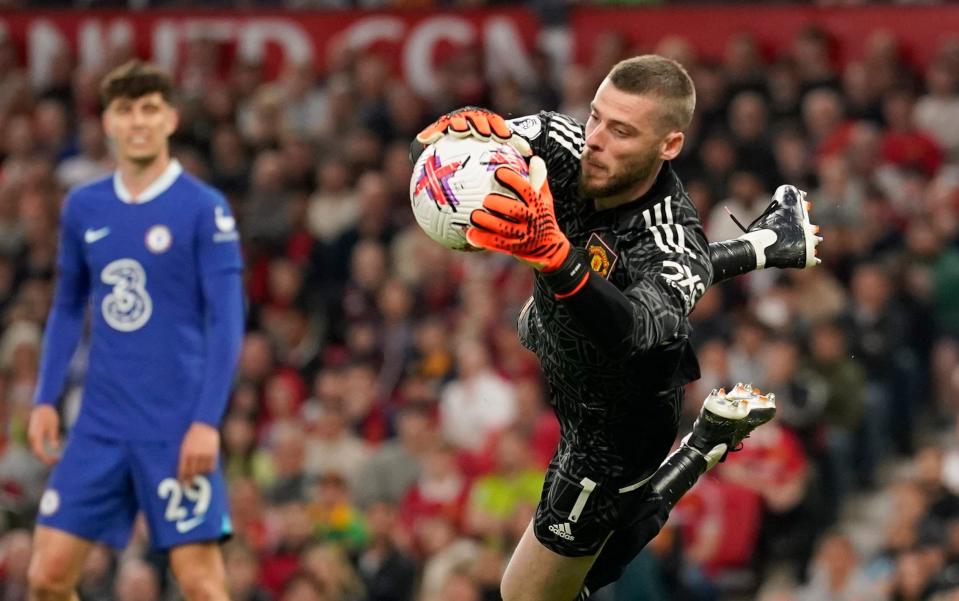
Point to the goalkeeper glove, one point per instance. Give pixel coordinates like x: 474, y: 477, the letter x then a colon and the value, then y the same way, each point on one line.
x: 477, y: 123
x: 524, y: 226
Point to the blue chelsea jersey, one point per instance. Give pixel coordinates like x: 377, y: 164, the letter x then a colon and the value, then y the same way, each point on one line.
x: 144, y: 262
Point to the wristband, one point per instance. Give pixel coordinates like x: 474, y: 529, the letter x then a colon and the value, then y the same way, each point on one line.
x: 569, y: 278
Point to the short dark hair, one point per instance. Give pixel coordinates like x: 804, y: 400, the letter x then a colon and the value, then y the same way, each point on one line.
x: 134, y: 79
x: 662, y: 78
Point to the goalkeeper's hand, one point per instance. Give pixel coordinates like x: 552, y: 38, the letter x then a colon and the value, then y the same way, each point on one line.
x: 525, y: 226
x: 477, y: 123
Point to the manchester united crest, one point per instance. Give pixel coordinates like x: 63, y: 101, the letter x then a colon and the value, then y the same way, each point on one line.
x: 601, y: 257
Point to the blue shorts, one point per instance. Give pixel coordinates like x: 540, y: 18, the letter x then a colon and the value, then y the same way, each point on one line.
x: 99, y: 484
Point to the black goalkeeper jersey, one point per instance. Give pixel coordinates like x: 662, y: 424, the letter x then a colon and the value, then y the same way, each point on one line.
x: 616, y: 357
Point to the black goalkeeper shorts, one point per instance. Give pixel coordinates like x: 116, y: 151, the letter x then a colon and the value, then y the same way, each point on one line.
x: 576, y: 516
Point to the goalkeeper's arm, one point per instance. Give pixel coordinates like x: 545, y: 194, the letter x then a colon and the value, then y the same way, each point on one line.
x: 619, y: 324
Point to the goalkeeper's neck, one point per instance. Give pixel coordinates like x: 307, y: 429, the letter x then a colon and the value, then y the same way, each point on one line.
x: 633, y: 192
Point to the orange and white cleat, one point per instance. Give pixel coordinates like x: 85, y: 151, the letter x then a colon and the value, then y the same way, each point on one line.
x: 727, y: 418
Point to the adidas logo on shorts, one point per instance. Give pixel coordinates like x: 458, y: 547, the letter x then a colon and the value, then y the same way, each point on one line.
x: 562, y: 531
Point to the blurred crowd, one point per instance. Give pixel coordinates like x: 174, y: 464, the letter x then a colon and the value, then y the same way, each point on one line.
x: 387, y: 434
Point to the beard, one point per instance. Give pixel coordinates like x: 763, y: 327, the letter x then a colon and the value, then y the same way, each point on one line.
x: 141, y: 158
x: 145, y: 160
x: 632, y: 172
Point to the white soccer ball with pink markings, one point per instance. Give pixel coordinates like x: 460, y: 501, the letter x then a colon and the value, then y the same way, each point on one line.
x: 450, y: 180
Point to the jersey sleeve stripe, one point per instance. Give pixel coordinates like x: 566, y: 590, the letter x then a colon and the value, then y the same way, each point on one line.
x: 575, y: 133
x: 572, y: 147
x: 669, y: 236
x: 572, y: 137
x: 680, y: 232
x: 666, y: 217
x: 577, y: 142
x: 651, y: 226
x: 681, y: 240
x: 668, y: 228
x: 660, y: 219
x: 569, y: 123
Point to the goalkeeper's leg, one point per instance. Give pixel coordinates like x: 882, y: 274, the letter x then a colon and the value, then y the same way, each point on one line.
x: 724, y: 421
x: 574, y: 519
x: 625, y: 544
x: 781, y: 237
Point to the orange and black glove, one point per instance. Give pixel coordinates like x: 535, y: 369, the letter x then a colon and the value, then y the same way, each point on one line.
x: 525, y: 227
x: 474, y: 122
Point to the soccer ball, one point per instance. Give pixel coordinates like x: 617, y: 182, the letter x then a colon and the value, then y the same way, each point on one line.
x: 450, y: 180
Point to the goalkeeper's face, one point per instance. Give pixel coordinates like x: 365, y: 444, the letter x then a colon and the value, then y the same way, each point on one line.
x: 140, y: 128
x: 625, y: 144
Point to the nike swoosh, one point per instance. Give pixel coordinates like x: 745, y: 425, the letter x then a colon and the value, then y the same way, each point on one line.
x: 91, y: 236
x: 185, y: 526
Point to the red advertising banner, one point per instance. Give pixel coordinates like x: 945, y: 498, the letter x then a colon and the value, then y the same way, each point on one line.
x: 416, y: 41
x: 920, y: 30
x: 413, y: 40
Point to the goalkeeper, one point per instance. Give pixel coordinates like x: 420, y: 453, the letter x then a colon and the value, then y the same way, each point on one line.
x: 620, y: 259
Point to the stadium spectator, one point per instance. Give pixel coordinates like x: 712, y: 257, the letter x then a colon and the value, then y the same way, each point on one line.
x: 441, y: 491
x: 92, y: 159
x: 387, y: 572
x: 288, y: 478
x: 97, y: 576
x: 844, y: 389
x: 241, y: 573
x: 478, y: 401
x: 331, y: 567
x: 512, y: 484
x: 836, y: 573
x: 936, y: 112
x: 137, y: 581
x: 15, y: 549
x: 393, y: 468
x: 335, y: 517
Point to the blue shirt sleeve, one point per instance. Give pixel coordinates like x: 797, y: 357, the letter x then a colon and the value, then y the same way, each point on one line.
x: 65, y: 321
x: 220, y: 268
x: 223, y: 293
x: 218, y: 241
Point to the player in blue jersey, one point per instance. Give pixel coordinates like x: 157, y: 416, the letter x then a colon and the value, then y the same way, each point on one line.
x: 154, y: 254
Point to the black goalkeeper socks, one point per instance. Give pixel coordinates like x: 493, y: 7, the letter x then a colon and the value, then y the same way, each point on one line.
x: 731, y: 258
x: 678, y: 474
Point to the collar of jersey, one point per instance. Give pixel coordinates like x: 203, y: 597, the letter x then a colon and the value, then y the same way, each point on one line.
x: 663, y: 186
x: 158, y: 187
